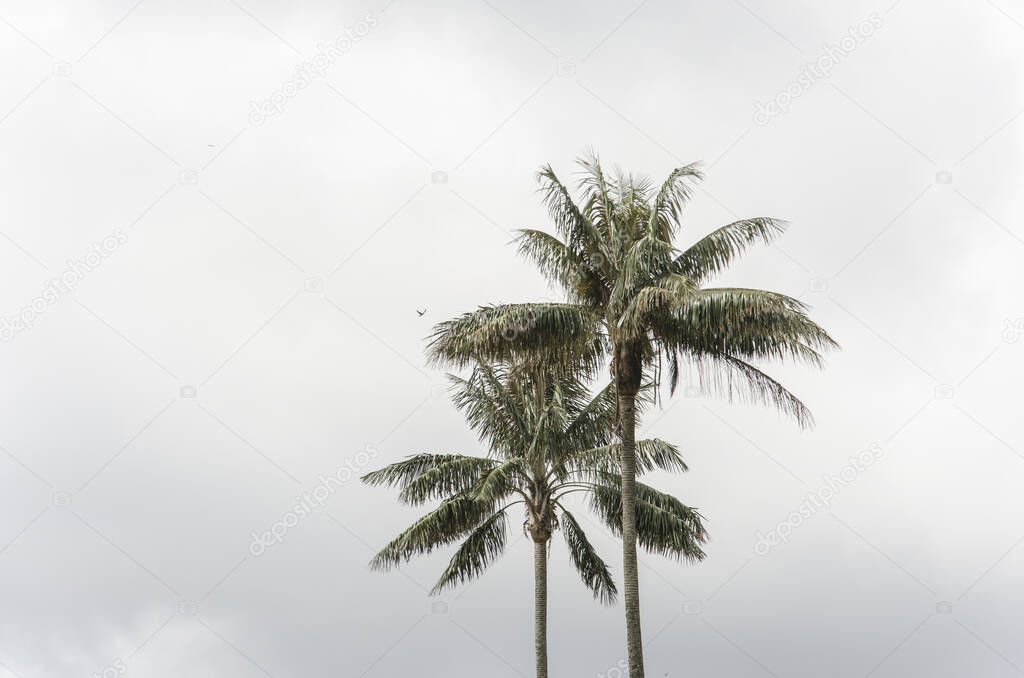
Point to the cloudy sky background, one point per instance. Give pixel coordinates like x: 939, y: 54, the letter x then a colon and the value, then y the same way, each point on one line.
x: 272, y: 271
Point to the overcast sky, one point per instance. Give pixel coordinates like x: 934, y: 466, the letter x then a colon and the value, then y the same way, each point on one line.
x: 209, y: 303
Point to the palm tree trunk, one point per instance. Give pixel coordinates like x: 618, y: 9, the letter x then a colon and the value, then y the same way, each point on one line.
x: 630, y: 575
x: 540, y: 610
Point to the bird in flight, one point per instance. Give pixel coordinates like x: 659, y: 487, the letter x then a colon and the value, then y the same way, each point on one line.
x: 421, y: 313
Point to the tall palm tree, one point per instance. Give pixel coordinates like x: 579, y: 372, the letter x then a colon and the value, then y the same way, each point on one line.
x: 637, y: 299
x: 547, y: 439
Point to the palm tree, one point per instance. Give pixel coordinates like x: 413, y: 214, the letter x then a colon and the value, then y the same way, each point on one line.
x: 547, y: 439
x: 637, y: 299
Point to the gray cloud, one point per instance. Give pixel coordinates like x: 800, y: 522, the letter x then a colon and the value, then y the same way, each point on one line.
x: 273, y: 271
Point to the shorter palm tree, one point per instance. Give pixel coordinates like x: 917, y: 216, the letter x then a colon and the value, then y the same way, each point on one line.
x: 548, y: 438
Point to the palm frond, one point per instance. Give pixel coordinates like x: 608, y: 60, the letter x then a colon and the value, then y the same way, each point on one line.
x: 479, y: 550
x: 581, y: 236
x: 490, y: 409
x: 664, y: 525
x: 653, y: 303
x: 401, y: 473
x: 592, y: 569
x: 454, y: 518
x: 596, y: 421
x: 454, y: 476
x: 632, y: 212
x: 726, y: 376
x: 540, y: 334
x: 748, y: 323
x: 718, y: 249
x: 651, y: 454
x: 647, y: 260
x: 598, y: 205
x: 500, y: 481
x: 668, y: 205
x: 579, y: 276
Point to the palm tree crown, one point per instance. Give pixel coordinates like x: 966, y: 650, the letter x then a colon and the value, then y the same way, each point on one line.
x: 548, y: 437
x: 633, y: 296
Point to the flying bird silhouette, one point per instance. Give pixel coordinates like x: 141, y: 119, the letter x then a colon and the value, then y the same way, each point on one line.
x: 421, y: 313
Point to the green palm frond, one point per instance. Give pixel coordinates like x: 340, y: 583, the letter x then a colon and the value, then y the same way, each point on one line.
x: 712, y: 253
x: 595, y: 422
x: 490, y: 409
x: 581, y: 236
x: 675, y: 192
x: 453, y: 519
x: 664, y: 525
x: 401, y: 473
x: 632, y: 214
x: 576, y: 273
x: 454, y: 476
x: 650, y: 454
x: 479, y: 550
x: 539, y: 334
x: 734, y: 379
x: 655, y: 303
x: 646, y: 260
x: 747, y: 323
x: 501, y: 480
x: 592, y: 569
x: 597, y: 201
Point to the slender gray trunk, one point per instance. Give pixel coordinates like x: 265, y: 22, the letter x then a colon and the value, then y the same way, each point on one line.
x: 630, y: 575
x: 540, y: 611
